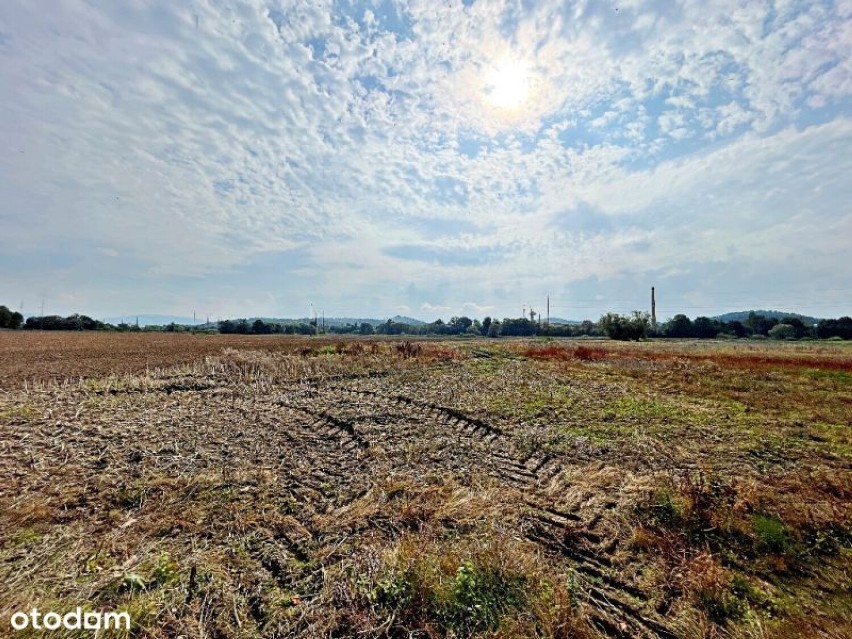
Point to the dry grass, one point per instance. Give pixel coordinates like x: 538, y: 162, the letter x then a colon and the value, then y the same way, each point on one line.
x: 296, y: 487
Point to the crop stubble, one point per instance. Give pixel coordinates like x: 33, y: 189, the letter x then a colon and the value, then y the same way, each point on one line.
x: 307, y: 437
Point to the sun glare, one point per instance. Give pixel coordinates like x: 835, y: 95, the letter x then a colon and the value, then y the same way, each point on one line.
x: 507, y: 86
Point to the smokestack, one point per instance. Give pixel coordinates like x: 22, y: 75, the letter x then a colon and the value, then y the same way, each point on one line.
x: 653, y: 309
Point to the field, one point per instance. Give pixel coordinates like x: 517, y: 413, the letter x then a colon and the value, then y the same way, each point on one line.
x: 236, y: 487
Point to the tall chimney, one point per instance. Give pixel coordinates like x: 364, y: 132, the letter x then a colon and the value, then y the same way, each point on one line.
x: 653, y: 309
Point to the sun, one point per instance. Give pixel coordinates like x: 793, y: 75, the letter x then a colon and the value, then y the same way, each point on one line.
x: 507, y: 85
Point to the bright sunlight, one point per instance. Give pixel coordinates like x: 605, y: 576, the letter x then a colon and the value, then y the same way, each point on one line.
x: 507, y: 85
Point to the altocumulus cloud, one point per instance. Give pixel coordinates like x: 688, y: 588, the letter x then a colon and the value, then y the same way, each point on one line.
x: 179, y: 154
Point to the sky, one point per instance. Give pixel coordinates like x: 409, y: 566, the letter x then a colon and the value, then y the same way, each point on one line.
x: 425, y: 158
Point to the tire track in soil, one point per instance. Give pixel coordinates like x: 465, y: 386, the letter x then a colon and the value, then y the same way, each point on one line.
x: 554, y: 530
x: 331, y: 449
x: 319, y: 456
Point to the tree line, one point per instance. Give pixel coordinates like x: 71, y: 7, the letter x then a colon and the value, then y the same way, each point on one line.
x: 77, y: 322
x: 612, y: 325
x: 10, y: 319
x: 757, y: 326
x: 615, y: 326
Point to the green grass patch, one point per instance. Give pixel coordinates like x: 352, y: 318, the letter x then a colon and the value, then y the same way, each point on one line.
x: 471, y: 599
x: 20, y: 411
x: 26, y: 537
x: 771, y: 535
x: 839, y: 377
x: 631, y: 408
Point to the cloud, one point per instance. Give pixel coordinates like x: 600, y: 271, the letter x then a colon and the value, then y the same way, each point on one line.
x: 267, y: 152
x: 446, y: 256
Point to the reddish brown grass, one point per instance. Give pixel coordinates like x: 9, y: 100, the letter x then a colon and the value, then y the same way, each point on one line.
x: 750, y: 357
x: 561, y: 353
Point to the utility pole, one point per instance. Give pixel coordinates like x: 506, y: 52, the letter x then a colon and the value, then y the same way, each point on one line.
x: 323, y: 322
x: 548, y: 310
x: 653, y: 309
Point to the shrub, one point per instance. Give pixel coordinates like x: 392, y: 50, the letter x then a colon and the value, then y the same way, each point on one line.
x: 588, y: 354
x: 782, y: 331
x: 622, y: 327
x: 408, y: 349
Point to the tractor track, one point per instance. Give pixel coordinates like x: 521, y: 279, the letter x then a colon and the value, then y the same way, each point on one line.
x: 324, y: 433
x: 617, y: 606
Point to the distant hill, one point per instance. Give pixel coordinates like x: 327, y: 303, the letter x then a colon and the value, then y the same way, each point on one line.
x: 741, y: 316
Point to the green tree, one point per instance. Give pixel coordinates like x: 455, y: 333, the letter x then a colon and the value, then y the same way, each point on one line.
x: 704, y: 327
x: 494, y: 328
x: 678, y: 326
x: 459, y: 325
x: 782, y: 331
x: 521, y: 327
x: 798, y: 325
x: 735, y: 328
x: 841, y: 328
x: 759, y: 324
x: 260, y: 327
x: 586, y: 327
x: 622, y: 327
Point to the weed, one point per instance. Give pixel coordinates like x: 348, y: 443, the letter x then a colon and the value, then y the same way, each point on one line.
x: 165, y: 572
x: 479, y: 595
x: 669, y: 511
x: 20, y: 412
x: 772, y: 535
x: 693, y: 504
x: 130, y: 496
x: 133, y: 582
x: 26, y: 537
x: 589, y: 353
x: 470, y: 599
x: 394, y: 591
x: 409, y: 349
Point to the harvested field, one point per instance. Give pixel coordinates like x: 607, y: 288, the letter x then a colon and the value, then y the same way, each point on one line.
x: 57, y: 356
x: 295, y: 487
